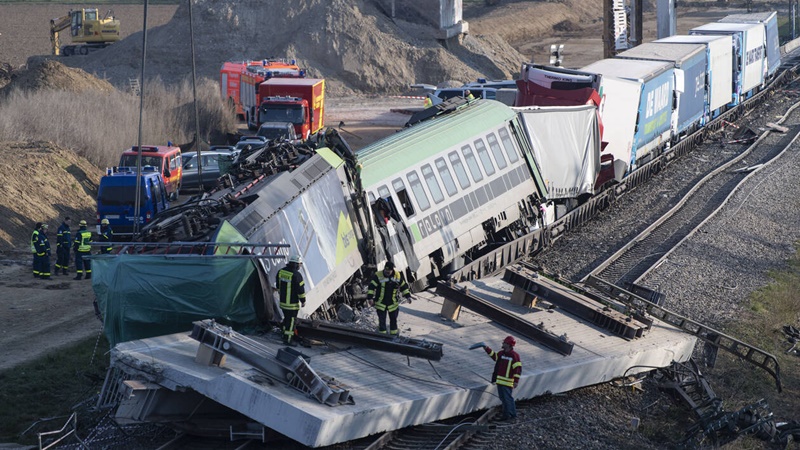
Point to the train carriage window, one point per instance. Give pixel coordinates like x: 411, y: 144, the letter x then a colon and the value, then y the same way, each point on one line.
x: 402, y: 195
x: 505, y: 138
x: 496, y: 151
x: 461, y: 172
x: 419, y: 192
x: 480, y: 147
x: 433, y: 183
x: 384, y: 206
x: 447, y: 178
x: 472, y: 163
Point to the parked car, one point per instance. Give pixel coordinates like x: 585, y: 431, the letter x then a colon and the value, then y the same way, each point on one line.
x: 254, y: 142
x: 214, y: 163
x: 278, y: 131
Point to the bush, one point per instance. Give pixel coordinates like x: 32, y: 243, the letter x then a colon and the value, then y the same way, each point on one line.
x: 99, y: 126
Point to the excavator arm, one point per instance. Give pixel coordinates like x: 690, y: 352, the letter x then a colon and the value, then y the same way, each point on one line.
x: 56, y: 25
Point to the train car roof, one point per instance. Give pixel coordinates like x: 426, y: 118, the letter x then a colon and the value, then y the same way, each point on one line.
x: 749, y: 17
x: 663, y: 51
x: 727, y: 27
x: 629, y: 69
x: 406, y: 148
x: 695, y: 38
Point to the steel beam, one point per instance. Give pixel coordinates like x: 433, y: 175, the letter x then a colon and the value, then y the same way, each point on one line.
x: 289, y: 366
x: 616, y: 322
x: 461, y: 296
x: 378, y: 341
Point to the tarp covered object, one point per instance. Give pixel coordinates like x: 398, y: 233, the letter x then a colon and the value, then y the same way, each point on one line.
x: 566, y: 143
x: 142, y: 296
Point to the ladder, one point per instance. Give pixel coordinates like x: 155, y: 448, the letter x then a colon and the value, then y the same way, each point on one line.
x: 134, y: 86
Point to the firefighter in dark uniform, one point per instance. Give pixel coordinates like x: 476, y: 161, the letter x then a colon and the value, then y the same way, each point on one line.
x: 292, y: 293
x: 83, y: 247
x: 385, y: 287
x: 34, y: 240
x: 43, y: 253
x: 106, y: 237
x: 63, y: 244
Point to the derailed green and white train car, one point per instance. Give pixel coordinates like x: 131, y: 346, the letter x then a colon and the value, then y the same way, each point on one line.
x: 446, y: 188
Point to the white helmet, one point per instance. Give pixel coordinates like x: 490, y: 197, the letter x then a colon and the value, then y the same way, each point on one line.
x: 296, y: 259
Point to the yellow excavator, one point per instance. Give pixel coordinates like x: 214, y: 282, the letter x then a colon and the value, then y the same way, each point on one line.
x: 87, y: 29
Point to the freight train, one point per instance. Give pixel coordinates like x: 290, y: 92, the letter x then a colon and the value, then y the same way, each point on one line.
x: 466, y: 177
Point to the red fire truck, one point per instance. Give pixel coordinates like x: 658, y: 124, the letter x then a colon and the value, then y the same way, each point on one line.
x: 239, y: 77
x: 300, y: 102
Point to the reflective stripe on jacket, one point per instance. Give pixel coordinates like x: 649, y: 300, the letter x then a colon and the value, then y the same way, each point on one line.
x: 34, y: 239
x: 42, y: 244
x: 107, y: 237
x: 387, y: 290
x: 63, y: 236
x: 508, y: 368
x: 83, y: 241
x: 291, y: 288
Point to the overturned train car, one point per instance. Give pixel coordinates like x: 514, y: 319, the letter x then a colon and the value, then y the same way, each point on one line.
x: 429, y: 198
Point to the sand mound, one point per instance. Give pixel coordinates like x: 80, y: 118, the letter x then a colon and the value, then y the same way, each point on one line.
x: 54, y: 75
x: 352, y: 44
x: 43, y: 182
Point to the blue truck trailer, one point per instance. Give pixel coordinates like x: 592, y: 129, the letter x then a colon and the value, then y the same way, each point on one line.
x: 719, y: 75
x: 651, y: 84
x: 750, y: 64
x: 691, y: 92
x: 772, y: 40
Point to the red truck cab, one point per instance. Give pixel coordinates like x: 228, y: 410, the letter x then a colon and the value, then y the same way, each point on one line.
x: 300, y: 101
x: 164, y: 158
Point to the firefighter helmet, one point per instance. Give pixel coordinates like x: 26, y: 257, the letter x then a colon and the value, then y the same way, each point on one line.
x: 104, y: 222
x: 510, y: 341
x: 82, y: 223
x: 296, y: 259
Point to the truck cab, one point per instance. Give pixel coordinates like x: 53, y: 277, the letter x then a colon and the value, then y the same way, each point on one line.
x: 116, y: 198
x: 300, y: 101
x: 165, y: 158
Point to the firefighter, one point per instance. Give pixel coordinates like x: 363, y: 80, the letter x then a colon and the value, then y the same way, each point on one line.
x: 34, y: 240
x: 43, y: 253
x: 468, y: 95
x: 507, y: 370
x: 63, y: 244
x: 428, y: 102
x: 83, y: 247
x: 388, y: 284
x: 106, y: 236
x: 292, y: 293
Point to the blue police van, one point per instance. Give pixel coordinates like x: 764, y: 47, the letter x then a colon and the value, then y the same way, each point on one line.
x: 116, y: 198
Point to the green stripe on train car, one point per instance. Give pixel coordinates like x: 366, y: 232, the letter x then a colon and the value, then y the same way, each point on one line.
x: 415, y: 231
x: 391, y: 156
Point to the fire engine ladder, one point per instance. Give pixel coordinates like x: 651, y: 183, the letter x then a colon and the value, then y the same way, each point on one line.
x: 198, y: 249
x: 752, y: 355
x: 289, y: 366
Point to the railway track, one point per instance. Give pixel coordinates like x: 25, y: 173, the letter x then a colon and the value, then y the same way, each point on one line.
x: 645, y: 251
x: 629, y: 264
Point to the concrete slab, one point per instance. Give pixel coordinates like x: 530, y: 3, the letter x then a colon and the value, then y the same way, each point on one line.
x: 393, y: 391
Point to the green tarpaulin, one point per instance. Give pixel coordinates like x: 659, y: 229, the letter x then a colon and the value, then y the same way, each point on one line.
x: 142, y: 296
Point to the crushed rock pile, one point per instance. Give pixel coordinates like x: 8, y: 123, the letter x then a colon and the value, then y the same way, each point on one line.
x: 350, y: 43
